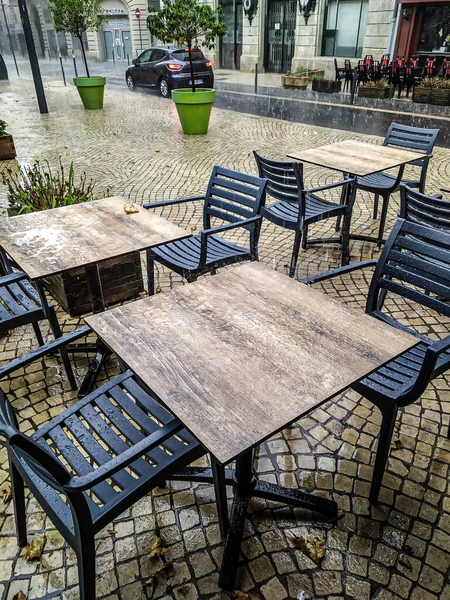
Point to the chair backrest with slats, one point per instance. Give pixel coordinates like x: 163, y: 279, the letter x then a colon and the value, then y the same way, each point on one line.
x: 417, y: 139
x: 284, y: 179
x: 424, y: 210
x: 414, y: 264
x: 233, y: 196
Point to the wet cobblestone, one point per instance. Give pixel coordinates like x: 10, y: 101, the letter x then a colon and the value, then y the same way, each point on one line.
x: 397, y: 549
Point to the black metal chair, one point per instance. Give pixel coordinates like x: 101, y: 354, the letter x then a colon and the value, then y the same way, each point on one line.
x: 405, y: 269
x: 21, y: 304
x: 94, y: 460
x: 416, y: 139
x: 432, y: 211
x: 232, y: 197
x: 296, y: 208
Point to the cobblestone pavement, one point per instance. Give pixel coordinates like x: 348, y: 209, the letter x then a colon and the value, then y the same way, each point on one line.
x: 396, y: 550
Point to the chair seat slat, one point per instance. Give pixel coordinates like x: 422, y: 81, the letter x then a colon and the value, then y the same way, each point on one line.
x: 12, y: 305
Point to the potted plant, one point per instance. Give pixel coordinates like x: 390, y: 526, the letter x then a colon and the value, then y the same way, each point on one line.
x: 76, y: 17
x: 376, y: 89
x: 298, y: 79
x: 440, y: 92
x: 7, y: 150
x: 184, y: 22
x: 37, y: 188
x: 422, y: 92
x: 326, y: 86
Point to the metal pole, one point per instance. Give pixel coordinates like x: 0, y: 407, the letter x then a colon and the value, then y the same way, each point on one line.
x: 33, y: 57
x: 62, y: 69
x: 354, y: 84
x: 10, y: 40
x: 128, y: 59
x: 140, y: 32
x: 113, y: 53
x: 75, y: 65
x: 256, y: 78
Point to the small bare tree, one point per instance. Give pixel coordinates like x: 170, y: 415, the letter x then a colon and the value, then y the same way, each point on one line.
x: 76, y: 17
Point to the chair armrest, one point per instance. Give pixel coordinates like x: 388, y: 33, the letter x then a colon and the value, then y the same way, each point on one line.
x: 170, y: 202
x: 438, y: 196
x: 44, y: 350
x: 339, y: 271
x: 437, y: 348
x: 446, y: 191
x: 213, y: 230
x: 85, y: 482
x: 331, y: 185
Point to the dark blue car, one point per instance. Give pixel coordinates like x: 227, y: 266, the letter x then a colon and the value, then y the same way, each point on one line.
x: 168, y: 69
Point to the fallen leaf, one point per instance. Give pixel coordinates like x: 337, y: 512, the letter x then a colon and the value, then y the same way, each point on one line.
x: 19, y: 596
x: 130, y: 209
x: 112, y: 531
x: 397, y: 425
x: 184, y: 589
x: 6, y: 494
x: 167, y: 569
x: 396, y: 445
x: 158, y: 290
x: 238, y: 595
x: 194, y: 228
x: 34, y: 550
x: 158, y: 548
x: 150, y: 583
x: 313, y: 546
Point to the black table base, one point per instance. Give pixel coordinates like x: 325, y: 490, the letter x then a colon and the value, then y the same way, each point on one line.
x: 246, y: 485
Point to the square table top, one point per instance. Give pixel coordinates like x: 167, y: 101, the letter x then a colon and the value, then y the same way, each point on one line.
x: 355, y: 157
x: 52, y: 241
x: 242, y: 354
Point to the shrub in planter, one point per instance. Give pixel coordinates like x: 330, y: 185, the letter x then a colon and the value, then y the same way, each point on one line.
x: 7, y: 150
x: 186, y: 22
x: 327, y: 86
x: 76, y: 17
x: 422, y: 92
x: 39, y: 188
x: 375, y: 89
x: 440, y: 92
x: 298, y: 79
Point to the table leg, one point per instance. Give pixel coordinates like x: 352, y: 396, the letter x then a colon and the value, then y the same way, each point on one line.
x: 102, y: 352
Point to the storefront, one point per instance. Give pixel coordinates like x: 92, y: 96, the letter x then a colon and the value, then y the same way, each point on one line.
x: 280, y: 35
x: 423, y: 29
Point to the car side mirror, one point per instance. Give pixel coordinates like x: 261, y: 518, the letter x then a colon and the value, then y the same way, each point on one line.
x: 135, y: 62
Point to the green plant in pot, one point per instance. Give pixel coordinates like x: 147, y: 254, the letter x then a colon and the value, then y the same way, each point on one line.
x: 185, y: 22
x: 76, y: 17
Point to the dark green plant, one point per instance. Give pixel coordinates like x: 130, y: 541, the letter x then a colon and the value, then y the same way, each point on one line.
x: 76, y: 17
x: 301, y: 69
x: 185, y: 22
x: 38, y: 188
x: 2, y: 127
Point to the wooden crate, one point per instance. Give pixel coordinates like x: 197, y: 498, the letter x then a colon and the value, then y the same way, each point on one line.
x: 121, y: 280
x: 325, y: 86
x: 295, y: 81
x: 440, y: 97
x: 374, y: 92
x: 7, y: 150
x: 421, y: 95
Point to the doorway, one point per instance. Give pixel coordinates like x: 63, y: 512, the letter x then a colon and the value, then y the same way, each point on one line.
x: 231, y: 42
x: 280, y: 35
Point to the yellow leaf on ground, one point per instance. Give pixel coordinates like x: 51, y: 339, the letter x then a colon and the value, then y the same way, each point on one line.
x: 313, y: 546
x: 397, y: 445
x: 238, y: 595
x: 19, y: 596
x: 184, y: 589
x: 34, y: 550
x: 6, y: 494
x: 158, y: 548
x: 150, y: 584
x: 130, y: 209
x: 166, y: 569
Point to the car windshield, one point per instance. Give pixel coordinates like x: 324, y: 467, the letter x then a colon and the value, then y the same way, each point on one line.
x: 183, y: 54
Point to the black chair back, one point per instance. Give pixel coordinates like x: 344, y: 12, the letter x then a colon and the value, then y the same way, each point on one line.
x: 233, y: 196
x: 424, y: 210
x: 414, y: 264
x: 284, y: 179
x: 417, y: 139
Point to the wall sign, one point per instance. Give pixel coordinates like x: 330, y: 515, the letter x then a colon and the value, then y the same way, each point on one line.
x: 113, y: 11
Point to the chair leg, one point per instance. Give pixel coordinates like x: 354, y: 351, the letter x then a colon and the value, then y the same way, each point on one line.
x: 295, y: 251
x: 62, y: 352
x: 389, y: 416
x: 383, y: 215
x: 18, y: 492
x: 86, y: 567
x: 38, y: 334
x: 150, y: 275
x: 345, y: 240
x: 375, y: 206
x: 305, y: 237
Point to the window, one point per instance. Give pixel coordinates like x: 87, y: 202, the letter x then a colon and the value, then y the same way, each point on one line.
x: 145, y: 56
x: 158, y: 54
x: 435, y: 28
x: 344, y: 28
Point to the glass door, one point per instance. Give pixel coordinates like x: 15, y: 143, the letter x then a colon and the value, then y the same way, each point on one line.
x: 231, y: 42
x: 108, y: 35
x: 280, y: 46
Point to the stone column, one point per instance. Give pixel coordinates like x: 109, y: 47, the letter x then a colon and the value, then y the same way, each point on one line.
x: 308, y: 38
x: 378, y: 28
x: 252, y: 40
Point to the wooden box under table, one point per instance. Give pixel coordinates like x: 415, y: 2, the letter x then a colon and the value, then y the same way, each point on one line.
x: 121, y: 280
x: 7, y: 150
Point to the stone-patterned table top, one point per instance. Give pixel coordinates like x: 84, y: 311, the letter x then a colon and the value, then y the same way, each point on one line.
x: 241, y: 355
x: 52, y: 241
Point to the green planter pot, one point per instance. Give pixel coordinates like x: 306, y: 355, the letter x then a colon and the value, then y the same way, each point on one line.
x: 194, y: 109
x: 91, y: 90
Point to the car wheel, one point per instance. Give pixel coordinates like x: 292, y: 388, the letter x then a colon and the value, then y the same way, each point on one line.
x: 130, y: 83
x: 164, y: 88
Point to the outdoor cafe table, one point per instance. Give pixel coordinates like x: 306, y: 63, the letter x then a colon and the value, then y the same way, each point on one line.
x: 358, y: 159
x: 49, y: 242
x: 239, y: 356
